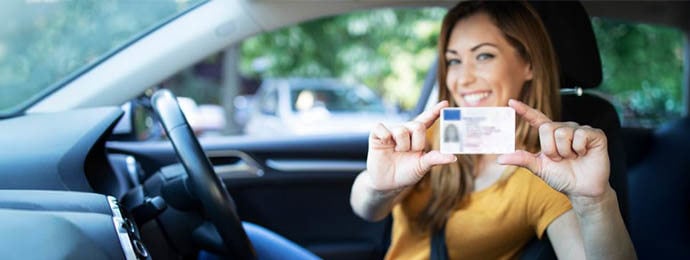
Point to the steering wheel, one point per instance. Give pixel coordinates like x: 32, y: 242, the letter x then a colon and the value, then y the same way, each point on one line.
x: 205, y: 184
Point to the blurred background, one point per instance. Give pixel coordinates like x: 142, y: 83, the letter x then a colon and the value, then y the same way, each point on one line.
x: 332, y: 75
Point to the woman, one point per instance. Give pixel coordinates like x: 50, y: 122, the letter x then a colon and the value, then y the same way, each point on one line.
x: 489, y: 206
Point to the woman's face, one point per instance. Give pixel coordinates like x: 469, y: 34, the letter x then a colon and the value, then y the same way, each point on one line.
x: 483, y: 68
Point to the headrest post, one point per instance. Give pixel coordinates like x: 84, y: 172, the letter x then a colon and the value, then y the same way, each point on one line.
x: 578, y: 91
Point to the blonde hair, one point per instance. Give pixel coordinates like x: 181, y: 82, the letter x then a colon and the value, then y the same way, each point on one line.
x: 524, y: 30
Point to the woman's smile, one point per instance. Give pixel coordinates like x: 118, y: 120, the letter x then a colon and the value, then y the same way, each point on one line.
x: 475, y: 98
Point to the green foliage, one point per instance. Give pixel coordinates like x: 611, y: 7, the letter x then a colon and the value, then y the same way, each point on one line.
x: 643, y: 70
x: 388, y: 50
x: 391, y: 50
x: 44, y: 42
x: 193, y: 84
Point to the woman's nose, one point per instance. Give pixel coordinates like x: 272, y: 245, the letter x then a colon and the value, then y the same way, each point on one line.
x: 466, y: 76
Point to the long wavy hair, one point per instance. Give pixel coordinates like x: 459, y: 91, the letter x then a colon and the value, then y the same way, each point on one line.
x: 523, y: 29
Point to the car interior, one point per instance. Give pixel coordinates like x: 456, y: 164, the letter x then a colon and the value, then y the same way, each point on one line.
x: 73, y: 183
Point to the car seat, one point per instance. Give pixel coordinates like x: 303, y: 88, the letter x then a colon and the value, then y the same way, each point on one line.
x: 570, y: 30
x: 659, y: 184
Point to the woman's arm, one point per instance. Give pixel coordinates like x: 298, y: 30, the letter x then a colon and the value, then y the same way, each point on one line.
x: 602, y: 227
x: 566, y: 239
x: 592, y: 230
x: 371, y: 204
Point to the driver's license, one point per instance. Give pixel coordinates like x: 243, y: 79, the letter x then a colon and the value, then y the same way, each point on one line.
x: 477, y: 130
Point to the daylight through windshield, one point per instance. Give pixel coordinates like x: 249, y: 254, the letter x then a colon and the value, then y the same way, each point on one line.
x: 45, y: 43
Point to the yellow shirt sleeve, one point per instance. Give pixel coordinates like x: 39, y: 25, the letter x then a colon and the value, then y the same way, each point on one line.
x: 544, y: 204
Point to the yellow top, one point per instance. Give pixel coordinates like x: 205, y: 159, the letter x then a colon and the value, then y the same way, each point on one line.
x: 494, y: 223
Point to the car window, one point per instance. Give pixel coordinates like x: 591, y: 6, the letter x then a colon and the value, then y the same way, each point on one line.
x: 338, y: 74
x: 642, y: 69
x: 43, y: 44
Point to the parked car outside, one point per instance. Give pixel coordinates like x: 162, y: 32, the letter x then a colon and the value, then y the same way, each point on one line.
x: 301, y: 106
x: 205, y: 119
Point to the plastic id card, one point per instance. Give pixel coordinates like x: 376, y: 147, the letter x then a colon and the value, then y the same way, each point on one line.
x: 477, y: 130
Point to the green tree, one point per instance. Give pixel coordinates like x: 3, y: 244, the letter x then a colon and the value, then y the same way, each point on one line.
x: 391, y: 50
x: 643, y: 70
x: 388, y: 50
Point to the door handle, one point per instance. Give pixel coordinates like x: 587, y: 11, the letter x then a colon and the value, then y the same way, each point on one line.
x: 234, y: 164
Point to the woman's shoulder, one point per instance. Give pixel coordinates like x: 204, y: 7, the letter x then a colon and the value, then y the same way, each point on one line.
x: 524, y: 179
x: 524, y: 175
x: 535, y: 189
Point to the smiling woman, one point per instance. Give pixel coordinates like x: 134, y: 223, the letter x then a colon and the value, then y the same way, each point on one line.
x: 64, y: 157
x: 45, y: 44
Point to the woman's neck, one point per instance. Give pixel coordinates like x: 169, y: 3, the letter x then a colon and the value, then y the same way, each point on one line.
x: 485, y: 162
x: 487, y: 171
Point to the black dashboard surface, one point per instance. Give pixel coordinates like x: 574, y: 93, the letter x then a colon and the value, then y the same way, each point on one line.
x: 48, y: 151
x: 38, y: 224
x: 48, y: 205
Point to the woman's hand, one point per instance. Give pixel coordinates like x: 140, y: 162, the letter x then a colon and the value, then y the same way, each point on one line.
x: 396, y: 157
x: 573, y: 158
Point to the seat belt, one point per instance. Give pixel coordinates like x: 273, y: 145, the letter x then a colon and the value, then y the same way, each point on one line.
x: 438, y: 244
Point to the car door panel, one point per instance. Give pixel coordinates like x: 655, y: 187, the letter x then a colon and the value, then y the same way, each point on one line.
x: 298, y: 187
x: 304, y: 196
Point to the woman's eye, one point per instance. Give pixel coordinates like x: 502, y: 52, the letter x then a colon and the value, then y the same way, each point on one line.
x: 451, y: 62
x: 484, y: 56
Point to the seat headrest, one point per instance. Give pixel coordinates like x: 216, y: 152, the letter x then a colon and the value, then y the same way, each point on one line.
x: 570, y: 29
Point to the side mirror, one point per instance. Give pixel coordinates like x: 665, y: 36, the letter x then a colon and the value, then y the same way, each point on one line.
x: 124, y: 125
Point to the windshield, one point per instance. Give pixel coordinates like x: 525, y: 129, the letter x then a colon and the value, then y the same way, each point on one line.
x: 46, y: 43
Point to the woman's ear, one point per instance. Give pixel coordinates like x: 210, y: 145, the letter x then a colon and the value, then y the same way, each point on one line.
x: 528, y: 72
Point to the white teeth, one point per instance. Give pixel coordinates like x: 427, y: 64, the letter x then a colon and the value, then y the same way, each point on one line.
x: 474, y: 98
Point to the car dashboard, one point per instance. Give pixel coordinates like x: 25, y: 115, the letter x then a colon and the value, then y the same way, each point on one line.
x: 58, y: 191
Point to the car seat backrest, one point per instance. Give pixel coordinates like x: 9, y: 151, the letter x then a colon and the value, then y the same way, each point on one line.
x: 637, y: 143
x: 660, y: 188
x: 570, y: 29
x: 572, y: 36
